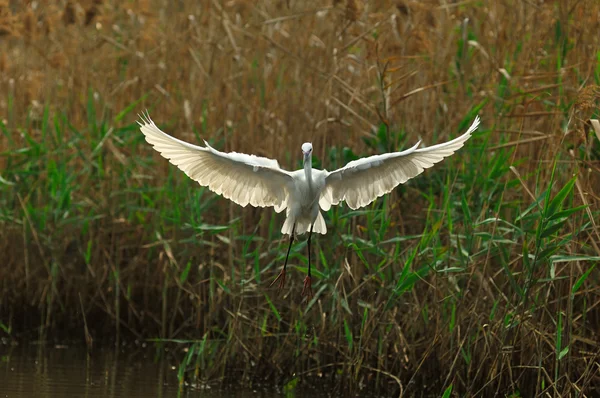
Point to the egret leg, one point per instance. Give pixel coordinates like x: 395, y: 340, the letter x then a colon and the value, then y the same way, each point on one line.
x: 281, y: 276
x: 307, y: 290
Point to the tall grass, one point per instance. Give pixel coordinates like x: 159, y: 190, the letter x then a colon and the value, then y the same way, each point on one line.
x: 477, y: 278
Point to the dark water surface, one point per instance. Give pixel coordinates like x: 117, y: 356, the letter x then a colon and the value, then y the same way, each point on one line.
x: 63, y: 371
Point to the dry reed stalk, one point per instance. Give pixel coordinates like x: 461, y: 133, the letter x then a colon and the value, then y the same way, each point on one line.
x: 263, y: 78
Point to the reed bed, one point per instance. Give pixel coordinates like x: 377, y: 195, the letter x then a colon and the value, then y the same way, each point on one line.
x: 477, y: 278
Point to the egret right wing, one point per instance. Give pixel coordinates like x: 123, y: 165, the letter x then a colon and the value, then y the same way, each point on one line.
x: 244, y: 179
x: 362, y: 181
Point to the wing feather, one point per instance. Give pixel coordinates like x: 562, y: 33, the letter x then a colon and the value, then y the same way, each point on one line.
x: 363, y: 180
x: 244, y: 179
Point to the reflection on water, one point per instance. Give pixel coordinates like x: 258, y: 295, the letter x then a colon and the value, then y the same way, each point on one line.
x: 56, y: 372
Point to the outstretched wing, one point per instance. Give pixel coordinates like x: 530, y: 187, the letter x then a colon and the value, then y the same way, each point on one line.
x: 244, y: 179
x: 362, y: 181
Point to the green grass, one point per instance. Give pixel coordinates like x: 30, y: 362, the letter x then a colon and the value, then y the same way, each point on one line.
x: 490, y: 259
x: 478, y: 277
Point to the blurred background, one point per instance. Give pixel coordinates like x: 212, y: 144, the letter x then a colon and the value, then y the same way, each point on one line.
x: 476, y: 277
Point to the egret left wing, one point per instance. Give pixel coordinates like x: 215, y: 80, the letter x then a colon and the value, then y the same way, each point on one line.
x: 362, y: 181
x: 244, y: 179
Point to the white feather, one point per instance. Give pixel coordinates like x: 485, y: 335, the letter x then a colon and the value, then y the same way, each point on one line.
x: 249, y: 179
x: 244, y: 179
x: 362, y: 181
x: 258, y: 181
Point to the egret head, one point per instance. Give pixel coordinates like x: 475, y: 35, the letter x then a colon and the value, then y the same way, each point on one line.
x: 307, y: 149
x: 307, y: 153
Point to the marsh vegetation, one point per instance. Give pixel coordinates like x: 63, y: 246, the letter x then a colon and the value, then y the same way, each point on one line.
x: 477, y: 278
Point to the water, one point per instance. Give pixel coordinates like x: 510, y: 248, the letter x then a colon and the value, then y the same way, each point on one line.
x: 62, y: 371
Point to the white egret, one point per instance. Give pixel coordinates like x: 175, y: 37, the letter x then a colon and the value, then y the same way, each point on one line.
x: 258, y: 181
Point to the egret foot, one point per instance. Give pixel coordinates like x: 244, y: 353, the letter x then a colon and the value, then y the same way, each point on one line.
x: 281, y: 279
x: 307, y: 290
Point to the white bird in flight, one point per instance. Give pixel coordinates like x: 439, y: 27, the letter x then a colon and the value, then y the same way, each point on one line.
x: 260, y: 182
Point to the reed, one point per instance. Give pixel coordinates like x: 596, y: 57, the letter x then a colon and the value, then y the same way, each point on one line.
x: 477, y: 278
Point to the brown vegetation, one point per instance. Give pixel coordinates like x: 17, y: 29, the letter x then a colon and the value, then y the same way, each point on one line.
x: 92, y: 218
